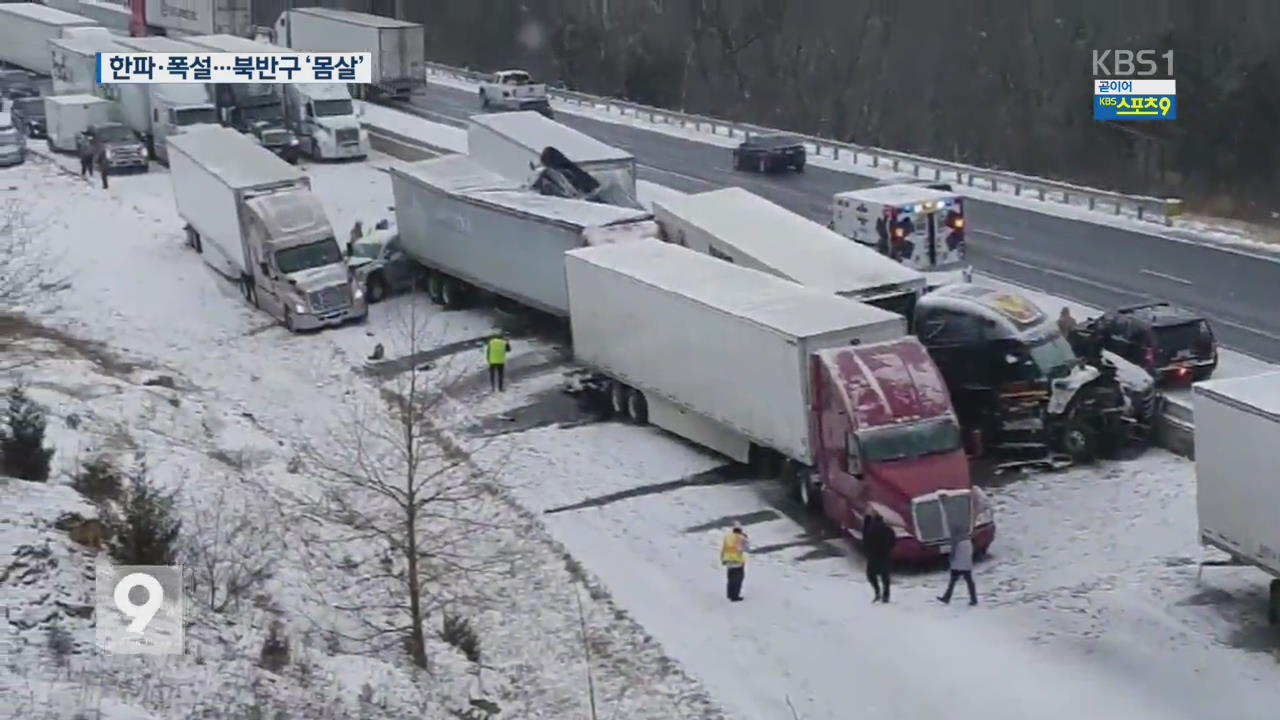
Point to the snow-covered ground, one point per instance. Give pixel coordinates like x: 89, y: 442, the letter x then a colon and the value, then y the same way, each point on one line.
x: 247, y: 400
x: 1090, y: 604
x: 1229, y: 235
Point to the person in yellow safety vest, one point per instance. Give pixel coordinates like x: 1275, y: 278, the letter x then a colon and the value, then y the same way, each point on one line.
x: 733, y: 555
x: 495, y: 352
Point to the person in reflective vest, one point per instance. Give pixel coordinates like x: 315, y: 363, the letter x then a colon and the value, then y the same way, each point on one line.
x: 733, y: 556
x: 495, y: 352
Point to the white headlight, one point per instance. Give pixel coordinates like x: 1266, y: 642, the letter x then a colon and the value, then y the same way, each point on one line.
x: 299, y: 308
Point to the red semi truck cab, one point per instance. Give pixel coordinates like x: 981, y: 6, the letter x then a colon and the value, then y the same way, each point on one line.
x: 886, y: 437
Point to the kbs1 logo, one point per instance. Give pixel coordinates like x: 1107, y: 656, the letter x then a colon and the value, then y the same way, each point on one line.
x: 1127, y: 85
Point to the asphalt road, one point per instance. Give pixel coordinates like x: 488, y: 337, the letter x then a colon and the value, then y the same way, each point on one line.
x: 1092, y: 264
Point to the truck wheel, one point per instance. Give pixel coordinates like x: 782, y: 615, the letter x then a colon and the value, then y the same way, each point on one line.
x: 1078, y: 441
x: 452, y: 293
x: 1273, y: 605
x: 618, y: 398
x: 637, y: 407
x: 376, y: 288
x: 434, y: 287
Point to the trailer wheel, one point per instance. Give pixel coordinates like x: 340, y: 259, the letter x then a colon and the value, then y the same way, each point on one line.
x: 434, y: 287
x: 617, y: 398
x: 637, y: 407
x: 452, y: 293
x: 1273, y: 604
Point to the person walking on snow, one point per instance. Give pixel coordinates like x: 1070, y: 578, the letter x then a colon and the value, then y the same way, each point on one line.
x: 1066, y: 323
x: 495, y: 352
x: 877, y: 541
x: 961, y: 567
x: 733, y: 556
x: 86, y: 160
x: 100, y: 159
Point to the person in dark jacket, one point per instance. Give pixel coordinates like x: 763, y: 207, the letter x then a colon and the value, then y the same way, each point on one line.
x: 86, y: 160
x: 100, y: 159
x: 877, y: 541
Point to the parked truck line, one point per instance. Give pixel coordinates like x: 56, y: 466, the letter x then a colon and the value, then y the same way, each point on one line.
x: 158, y: 111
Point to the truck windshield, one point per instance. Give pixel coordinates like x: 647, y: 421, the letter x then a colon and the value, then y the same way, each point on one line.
x: 196, y: 116
x: 910, y: 441
x: 333, y: 108
x: 115, y: 134
x: 1053, y: 355
x: 309, y: 256
x: 263, y: 112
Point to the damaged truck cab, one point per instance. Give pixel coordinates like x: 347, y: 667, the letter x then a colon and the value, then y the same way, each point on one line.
x: 886, y: 438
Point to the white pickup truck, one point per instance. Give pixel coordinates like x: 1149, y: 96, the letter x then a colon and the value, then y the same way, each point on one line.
x: 514, y: 90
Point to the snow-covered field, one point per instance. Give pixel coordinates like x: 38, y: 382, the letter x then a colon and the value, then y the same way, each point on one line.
x: 1090, y: 602
x: 247, y: 401
x: 1235, y: 236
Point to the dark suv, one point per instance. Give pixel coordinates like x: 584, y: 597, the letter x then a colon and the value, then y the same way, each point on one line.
x: 1172, y: 343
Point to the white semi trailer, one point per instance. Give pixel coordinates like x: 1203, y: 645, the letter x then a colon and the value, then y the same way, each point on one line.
x: 27, y: 28
x: 398, y: 47
x: 1237, y: 494
x: 511, y: 144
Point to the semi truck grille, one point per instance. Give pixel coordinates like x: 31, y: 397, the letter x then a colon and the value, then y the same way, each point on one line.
x: 348, y: 136
x: 330, y: 298
x: 938, y: 515
x: 275, y: 138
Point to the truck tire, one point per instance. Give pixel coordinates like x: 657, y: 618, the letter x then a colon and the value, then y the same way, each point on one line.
x: 618, y: 398
x: 1079, y: 442
x: 637, y: 407
x: 435, y: 287
x: 375, y: 288
x: 452, y: 293
x: 1273, y: 603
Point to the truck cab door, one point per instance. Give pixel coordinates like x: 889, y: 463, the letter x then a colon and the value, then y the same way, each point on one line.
x: 268, y: 296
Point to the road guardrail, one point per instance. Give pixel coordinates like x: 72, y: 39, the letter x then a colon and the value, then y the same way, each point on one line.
x: 1150, y: 209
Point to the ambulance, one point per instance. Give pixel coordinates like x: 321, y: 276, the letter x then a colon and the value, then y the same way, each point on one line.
x: 921, y: 227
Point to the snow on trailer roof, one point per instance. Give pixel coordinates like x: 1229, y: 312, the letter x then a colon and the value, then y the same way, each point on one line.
x: 783, y: 306
x: 897, y: 195
x: 237, y: 160
x: 159, y: 44
x: 460, y: 175
x: 46, y: 15
x: 1261, y: 392
x: 324, y: 91
x: 357, y: 18
x: 533, y: 130
x: 77, y: 99
x: 87, y: 44
x: 795, y: 246
x: 233, y: 44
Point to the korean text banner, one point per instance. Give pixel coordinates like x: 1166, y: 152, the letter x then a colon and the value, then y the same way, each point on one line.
x: 143, y: 68
x: 1135, y: 107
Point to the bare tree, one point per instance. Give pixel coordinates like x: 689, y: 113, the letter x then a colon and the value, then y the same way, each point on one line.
x: 228, y: 550
x: 24, y: 267
x: 395, y: 481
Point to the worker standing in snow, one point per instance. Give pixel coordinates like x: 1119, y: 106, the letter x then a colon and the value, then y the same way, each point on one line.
x: 495, y: 352
x: 1066, y: 323
x: 877, y: 542
x: 961, y: 567
x: 733, y: 556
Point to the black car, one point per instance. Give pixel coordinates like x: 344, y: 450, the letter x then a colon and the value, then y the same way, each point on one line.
x: 769, y: 153
x: 27, y: 115
x: 1174, y: 344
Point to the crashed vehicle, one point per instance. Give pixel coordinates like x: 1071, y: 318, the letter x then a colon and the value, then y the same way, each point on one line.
x: 380, y: 264
x: 1020, y: 389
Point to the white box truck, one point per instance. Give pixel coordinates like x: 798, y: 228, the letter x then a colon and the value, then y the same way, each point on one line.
x: 27, y: 28
x: 714, y: 353
x: 66, y: 116
x: 113, y: 15
x: 326, y: 120
x: 1237, y: 493
x: 158, y: 111
x: 740, y: 227
x: 474, y: 229
x: 74, y: 62
x: 511, y: 144
x: 398, y: 47
x: 253, y: 218
x: 199, y: 17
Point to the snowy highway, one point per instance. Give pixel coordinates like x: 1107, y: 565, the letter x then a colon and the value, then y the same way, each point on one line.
x: 1092, y: 264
